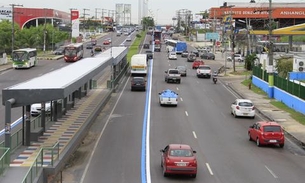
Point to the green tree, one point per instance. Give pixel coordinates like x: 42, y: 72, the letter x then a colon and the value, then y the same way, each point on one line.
x: 148, y: 22
x: 284, y: 66
x: 249, y: 61
x: 6, y: 35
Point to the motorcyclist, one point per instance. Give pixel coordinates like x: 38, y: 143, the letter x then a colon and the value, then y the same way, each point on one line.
x: 214, y: 76
x: 92, y: 52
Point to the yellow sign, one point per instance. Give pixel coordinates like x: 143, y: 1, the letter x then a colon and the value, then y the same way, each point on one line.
x: 137, y: 67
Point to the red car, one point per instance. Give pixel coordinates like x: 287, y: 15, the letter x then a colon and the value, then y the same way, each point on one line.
x: 265, y: 133
x: 196, y: 64
x: 178, y: 159
x: 106, y: 42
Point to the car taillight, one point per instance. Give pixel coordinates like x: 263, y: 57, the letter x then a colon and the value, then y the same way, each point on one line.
x: 237, y: 107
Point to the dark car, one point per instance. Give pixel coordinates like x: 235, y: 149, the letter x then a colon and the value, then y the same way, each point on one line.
x: 89, y: 46
x: 138, y: 83
x: 146, y: 46
x: 149, y: 54
x: 98, y: 48
x: 59, y: 51
x: 208, y: 56
x: 196, y: 52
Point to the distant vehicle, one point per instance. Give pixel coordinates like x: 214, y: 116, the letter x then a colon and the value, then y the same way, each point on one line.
x: 93, y: 41
x: 208, y: 56
x: 168, y: 97
x: 196, y: 52
x: 24, y: 58
x: 149, y: 54
x: 138, y: 83
x: 138, y: 64
x: 106, y: 42
x: 89, y: 46
x: 177, y: 46
x: 74, y: 52
x: 36, y: 108
x: 204, y: 71
x: 146, y: 46
x: 182, y: 70
x: 172, y: 55
x: 128, y: 39
x: 191, y: 57
x: 126, y: 33
x: 118, y: 33
x: 196, y: 64
x: 237, y: 58
x: 98, y: 48
x: 184, y: 53
x: 178, y: 159
x: 267, y: 133
x: 59, y: 51
x: 172, y: 75
x: 243, y: 107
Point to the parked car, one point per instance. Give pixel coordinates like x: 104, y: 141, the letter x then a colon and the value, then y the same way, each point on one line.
x: 182, y: 70
x: 237, y: 58
x: 59, y: 51
x: 196, y: 64
x: 265, y: 133
x: 138, y: 83
x: 243, y: 107
x: 146, y: 46
x: 208, y: 56
x: 36, y: 108
x: 191, y: 57
x: 178, y: 159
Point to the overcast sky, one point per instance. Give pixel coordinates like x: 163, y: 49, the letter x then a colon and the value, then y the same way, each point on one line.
x: 162, y: 10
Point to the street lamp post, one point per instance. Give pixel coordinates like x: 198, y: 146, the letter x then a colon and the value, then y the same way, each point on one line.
x: 13, y: 25
x: 44, y: 30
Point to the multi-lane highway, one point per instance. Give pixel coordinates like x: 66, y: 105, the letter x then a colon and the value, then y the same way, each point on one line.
x: 202, y: 120
x: 12, y: 77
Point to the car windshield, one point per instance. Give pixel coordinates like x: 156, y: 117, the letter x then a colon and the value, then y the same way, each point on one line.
x: 138, y: 79
x: 204, y: 68
x: 181, y: 152
x: 173, y: 72
x: 245, y: 104
x: 272, y: 128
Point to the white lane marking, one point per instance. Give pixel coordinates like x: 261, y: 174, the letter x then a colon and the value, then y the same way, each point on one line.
x: 177, y: 88
x: 209, y: 168
x: 100, y: 135
x: 272, y: 173
x: 186, y: 113
x: 181, y: 99
x: 194, y: 133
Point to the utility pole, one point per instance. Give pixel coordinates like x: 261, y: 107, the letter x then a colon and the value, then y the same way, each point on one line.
x: 84, y: 15
x: 71, y: 9
x: 104, y: 11
x: 96, y: 12
x: 13, y: 25
x: 45, y: 30
x: 270, y: 53
x: 232, y: 40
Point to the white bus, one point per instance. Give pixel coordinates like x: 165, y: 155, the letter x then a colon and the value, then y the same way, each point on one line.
x: 138, y: 64
x: 176, y: 46
x: 24, y: 58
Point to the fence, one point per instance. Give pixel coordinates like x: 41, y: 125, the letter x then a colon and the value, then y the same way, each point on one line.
x: 4, y: 159
x: 258, y: 72
x: 40, y: 162
x: 295, y: 89
x: 113, y: 83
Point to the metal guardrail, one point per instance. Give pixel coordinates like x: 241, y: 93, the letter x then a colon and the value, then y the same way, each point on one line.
x: 16, y: 138
x: 4, y: 159
x: 39, y: 162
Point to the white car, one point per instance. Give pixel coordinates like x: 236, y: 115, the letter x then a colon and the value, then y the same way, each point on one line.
x: 36, y: 108
x: 172, y: 56
x: 168, y: 97
x: 237, y: 58
x: 128, y: 38
x: 243, y: 107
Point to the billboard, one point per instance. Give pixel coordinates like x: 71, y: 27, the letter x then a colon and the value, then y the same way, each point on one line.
x: 6, y: 13
x: 75, y: 23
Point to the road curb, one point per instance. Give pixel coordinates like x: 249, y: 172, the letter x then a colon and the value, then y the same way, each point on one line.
x: 296, y: 140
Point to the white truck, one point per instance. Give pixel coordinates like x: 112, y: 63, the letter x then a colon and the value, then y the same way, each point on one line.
x: 204, y: 71
x: 138, y: 64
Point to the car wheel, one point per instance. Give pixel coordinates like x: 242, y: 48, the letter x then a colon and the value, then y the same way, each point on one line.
x: 253, y: 117
x: 194, y: 175
x: 257, y: 142
x: 281, y: 145
x: 164, y: 172
x: 249, y: 137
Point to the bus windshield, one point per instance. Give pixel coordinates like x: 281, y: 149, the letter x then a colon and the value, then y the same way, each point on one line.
x: 70, y: 51
x: 20, y: 56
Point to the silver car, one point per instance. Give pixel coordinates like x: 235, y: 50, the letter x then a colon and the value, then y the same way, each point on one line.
x: 182, y: 70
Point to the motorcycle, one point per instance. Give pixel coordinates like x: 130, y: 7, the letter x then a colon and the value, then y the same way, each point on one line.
x: 214, y: 80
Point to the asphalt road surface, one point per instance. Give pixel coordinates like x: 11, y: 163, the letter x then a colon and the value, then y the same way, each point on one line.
x: 202, y: 119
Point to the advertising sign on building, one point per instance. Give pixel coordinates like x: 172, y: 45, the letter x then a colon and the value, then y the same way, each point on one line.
x: 75, y: 23
x: 5, y: 13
